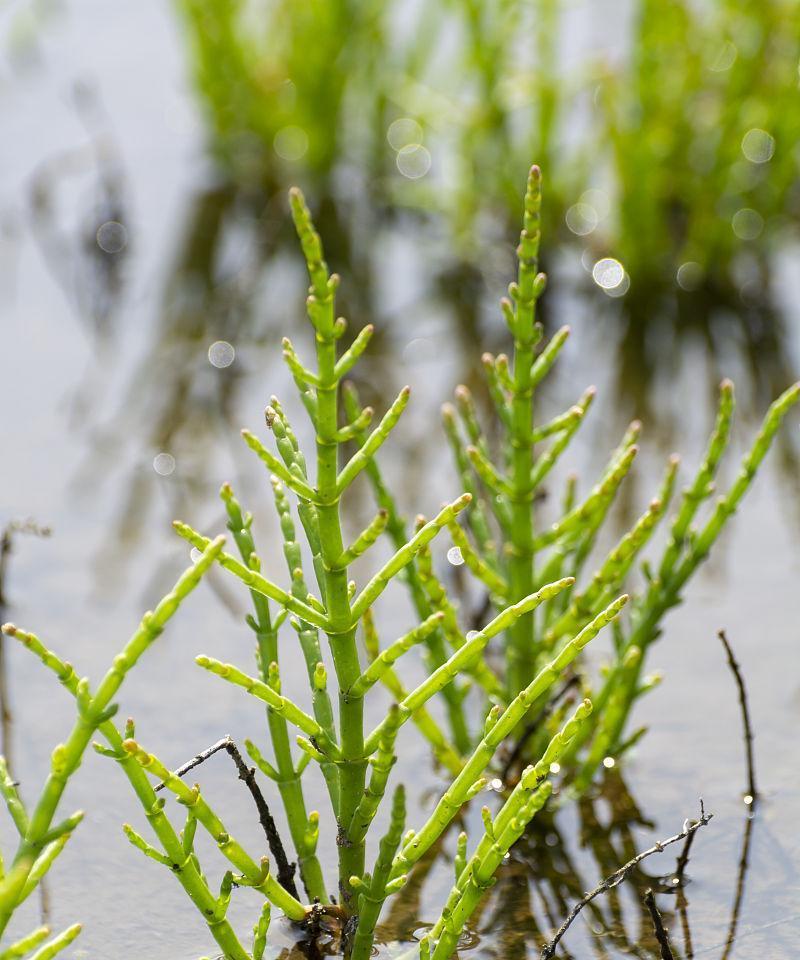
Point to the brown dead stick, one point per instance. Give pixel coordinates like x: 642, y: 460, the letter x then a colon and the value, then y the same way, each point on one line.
x: 689, y: 828
x: 748, y: 730
x: 285, y: 870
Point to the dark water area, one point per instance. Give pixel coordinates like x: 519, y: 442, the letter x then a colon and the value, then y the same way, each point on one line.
x: 115, y: 421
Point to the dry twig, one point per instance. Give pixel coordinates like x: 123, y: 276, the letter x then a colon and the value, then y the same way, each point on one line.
x: 285, y: 870
x: 748, y: 730
x: 689, y: 829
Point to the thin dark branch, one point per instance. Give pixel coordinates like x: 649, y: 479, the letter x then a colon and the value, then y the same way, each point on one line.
x: 12, y: 529
x: 481, y: 612
x: 9, y: 532
x: 285, y: 870
x: 689, y: 828
x: 6, y: 546
x: 658, y: 925
x: 682, y: 904
x: 199, y: 758
x: 748, y: 730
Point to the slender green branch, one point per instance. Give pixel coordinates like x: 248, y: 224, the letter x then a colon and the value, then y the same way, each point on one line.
x: 274, y: 465
x: 364, y: 540
x: 253, y: 579
x: 373, y: 890
x: 444, y: 751
x: 392, y: 654
x: 93, y: 711
x: 365, y: 453
x: 281, y: 705
x: 253, y: 875
x: 500, y: 726
x: 405, y: 555
x: 467, y: 654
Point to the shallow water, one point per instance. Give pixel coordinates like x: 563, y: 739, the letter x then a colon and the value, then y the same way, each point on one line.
x: 84, y: 419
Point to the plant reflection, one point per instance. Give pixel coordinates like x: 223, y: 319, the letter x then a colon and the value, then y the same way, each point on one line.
x: 549, y: 871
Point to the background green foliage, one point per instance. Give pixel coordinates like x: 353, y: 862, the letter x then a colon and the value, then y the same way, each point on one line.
x: 652, y: 116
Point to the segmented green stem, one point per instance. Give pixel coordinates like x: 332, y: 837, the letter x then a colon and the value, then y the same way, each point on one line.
x: 286, y: 777
x: 93, y: 710
x: 499, y: 727
x: 183, y: 863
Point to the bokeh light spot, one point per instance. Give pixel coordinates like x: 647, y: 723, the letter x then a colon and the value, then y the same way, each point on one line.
x: 112, y: 237
x: 621, y: 288
x: 725, y: 59
x: 291, y: 143
x: 758, y: 145
x: 581, y: 219
x: 608, y: 273
x: 404, y: 132
x: 455, y: 557
x: 689, y: 275
x: 413, y: 161
x: 164, y: 464
x: 747, y: 223
x: 221, y: 354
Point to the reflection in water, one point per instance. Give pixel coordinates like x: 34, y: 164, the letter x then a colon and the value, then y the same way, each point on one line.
x: 217, y: 302
x: 12, y: 530
x: 548, y: 872
x: 661, y: 114
x: 232, y: 282
x: 80, y: 218
x: 741, y: 874
x: 734, y: 329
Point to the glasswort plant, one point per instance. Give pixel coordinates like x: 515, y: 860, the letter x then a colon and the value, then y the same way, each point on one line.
x: 511, y: 552
x: 41, y: 840
x: 530, y: 573
x: 356, y: 763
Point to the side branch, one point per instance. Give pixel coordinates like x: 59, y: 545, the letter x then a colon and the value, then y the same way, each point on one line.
x: 362, y: 457
x: 405, y: 555
x: 279, y: 704
x: 253, y: 579
x: 285, y: 872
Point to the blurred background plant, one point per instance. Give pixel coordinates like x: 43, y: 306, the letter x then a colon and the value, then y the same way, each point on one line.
x: 675, y: 154
x: 668, y: 133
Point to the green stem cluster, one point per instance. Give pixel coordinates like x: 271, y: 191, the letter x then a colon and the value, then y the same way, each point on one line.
x: 509, y: 553
x: 40, y: 838
x: 356, y: 762
x: 545, y: 611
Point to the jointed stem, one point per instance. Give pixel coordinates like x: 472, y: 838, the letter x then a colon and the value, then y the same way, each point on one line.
x: 520, y: 650
x: 341, y: 630
x: 93, y: 711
